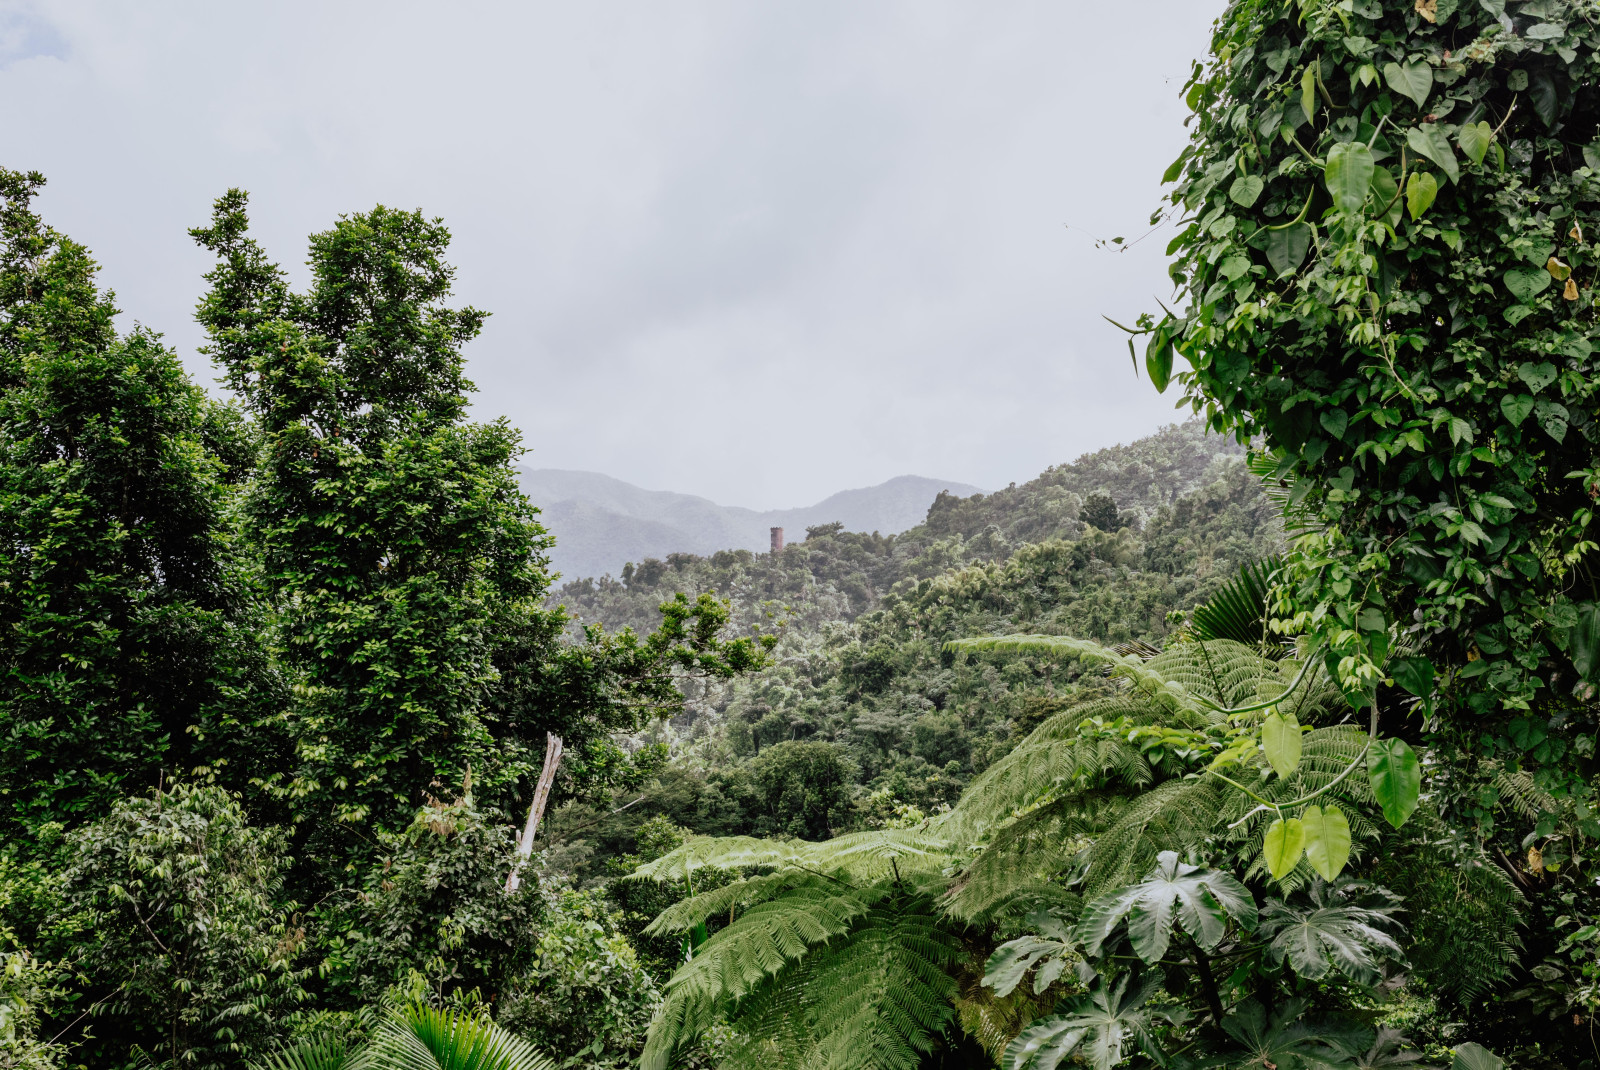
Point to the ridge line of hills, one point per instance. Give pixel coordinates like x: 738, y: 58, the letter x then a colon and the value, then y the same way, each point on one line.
x: 602, y: 523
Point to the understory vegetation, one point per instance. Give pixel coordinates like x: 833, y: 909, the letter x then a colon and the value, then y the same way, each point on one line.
x: 1266, y: 741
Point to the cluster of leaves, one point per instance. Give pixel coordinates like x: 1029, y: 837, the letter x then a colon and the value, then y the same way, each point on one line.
x: 1078, y: 841
x: 1386, y: 256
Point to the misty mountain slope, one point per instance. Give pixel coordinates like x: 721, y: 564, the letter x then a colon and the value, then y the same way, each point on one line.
x: 601, y: 523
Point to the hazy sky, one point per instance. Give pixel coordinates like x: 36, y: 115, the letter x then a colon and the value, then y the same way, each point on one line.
x: 757, y: 251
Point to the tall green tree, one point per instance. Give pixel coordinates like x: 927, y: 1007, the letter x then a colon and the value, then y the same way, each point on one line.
x: 121, y: 654
x: 405, y: 568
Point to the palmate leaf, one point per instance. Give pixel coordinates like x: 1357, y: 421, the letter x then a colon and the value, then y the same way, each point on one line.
x: 1201, y: 900
x: 1052, y: 951
x: 1239, y: 608
x: 1387, y: 1053
x: 1328, y: 929
x: 1099, y: 1028
x: 1282, y: 1040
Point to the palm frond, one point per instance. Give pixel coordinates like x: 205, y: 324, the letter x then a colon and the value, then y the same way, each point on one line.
x: 428, y: 1038
x: 1238, y: 611
x: 326, y: 1053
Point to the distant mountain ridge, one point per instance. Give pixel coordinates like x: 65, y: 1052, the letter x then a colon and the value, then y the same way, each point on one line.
x: 601, y: 523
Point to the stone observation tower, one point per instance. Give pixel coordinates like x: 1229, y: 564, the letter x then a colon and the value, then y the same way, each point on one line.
x: 777, y: 540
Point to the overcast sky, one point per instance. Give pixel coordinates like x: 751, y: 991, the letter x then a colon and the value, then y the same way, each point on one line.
x: 756, y: 251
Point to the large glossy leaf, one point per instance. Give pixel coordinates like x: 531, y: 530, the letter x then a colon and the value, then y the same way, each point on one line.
x: 1158, y: 361
x: 1052, y: 950
x: 1414, y: 674
x: 1396, y: 778
x: 1327, y: 839
x: 1422, y: 189
x: 1471, y: 1056
x: 1283, y: 844
x: 1584, y: 641
x: 1201, y: 900
x: 1286, y: 248
x: 1430, y: 141
x: 1348, y: 175
x: 1101, y: 1029
x: 1330, y: 929
x: 1414, y: 80
x: 1281, y: 740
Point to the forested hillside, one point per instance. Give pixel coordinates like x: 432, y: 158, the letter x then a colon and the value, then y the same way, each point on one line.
x: 1110, y: 547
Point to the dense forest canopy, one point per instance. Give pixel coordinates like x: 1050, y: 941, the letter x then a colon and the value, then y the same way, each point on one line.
x: 1265, y: 741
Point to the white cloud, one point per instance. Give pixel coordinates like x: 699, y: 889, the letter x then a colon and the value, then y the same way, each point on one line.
x: 759, y: 252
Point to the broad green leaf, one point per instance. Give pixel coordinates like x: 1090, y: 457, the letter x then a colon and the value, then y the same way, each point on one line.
x: 1100, y: 1028
x: 1516, y: 407
x: 1334, y: 421
x: 1348, y: 175
x: 1286, y: 248
x: 1013, y: 959
x: 1280, y: 738
x: 1201, y: 900
x: 1526, y: 283
x: 1583, y: 640
x: 1421, y: 190
x: 1246, y: 189
x: 1429, y: 140
x: 1233, y: 267
x: 1414, y: 674
x: 1537, y: 376
x: 1474, y: 140
x: 1471, y: 1056
x: 1158, y: 361
x: 1328, y: 928
x: 1396, y: 778
x: 1385, y: 196
x: 1283, y: 845
x: 1327, y: 839
x: 1308, y: 94
x: 1414, y: 80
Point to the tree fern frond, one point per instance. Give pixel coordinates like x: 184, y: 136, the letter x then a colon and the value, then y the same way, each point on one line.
x: 687, y: 913
x: 1014, y: 873
x: 1132, y: 668
x: 858, y: 856
x: 756, y: 946
x: 874, y: 999
x: 714, y: 852
x: 1039, y: 772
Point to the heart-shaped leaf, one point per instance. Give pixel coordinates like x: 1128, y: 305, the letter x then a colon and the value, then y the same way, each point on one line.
x: 1429, y: 140
x: 1396, y: 778
x: 1414, y: 80
x: 1537, y: 376
x: 1474, y: 140
x: 1348, y: 175
x: 1516, y: 407
x: 1558, y: 270
x: 1233, y: 267
x: 1245, y: 189
x: 1158, y: 361
x: 1421, y: 190
x: 1283, y: 845
x: 1334, y: 421
x: 1526, y: 283
x: 1286, y: 248
x: 1552, y: 417
x: 1327, y: 839
x: 1280, y: 738
x: 1414, y: 674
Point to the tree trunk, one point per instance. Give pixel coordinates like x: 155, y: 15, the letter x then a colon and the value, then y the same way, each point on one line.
x: 541, y: 795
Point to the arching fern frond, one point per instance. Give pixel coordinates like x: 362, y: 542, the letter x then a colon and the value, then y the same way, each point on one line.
x: 874, y: 999
x: 1019, y: 869
x: 859, y: 856
x: 756, y: 946
x: 1039, y: 771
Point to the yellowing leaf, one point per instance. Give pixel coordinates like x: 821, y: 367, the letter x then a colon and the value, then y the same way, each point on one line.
x: 1327, y: 839
x: 1557, y: 269
x: 1428, y: 9
x: 1280, y: 738
x: 1283, y: 845
x: 1571, y: 291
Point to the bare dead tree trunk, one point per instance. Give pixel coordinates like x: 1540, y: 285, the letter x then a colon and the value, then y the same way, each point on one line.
x: 541, y: 795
